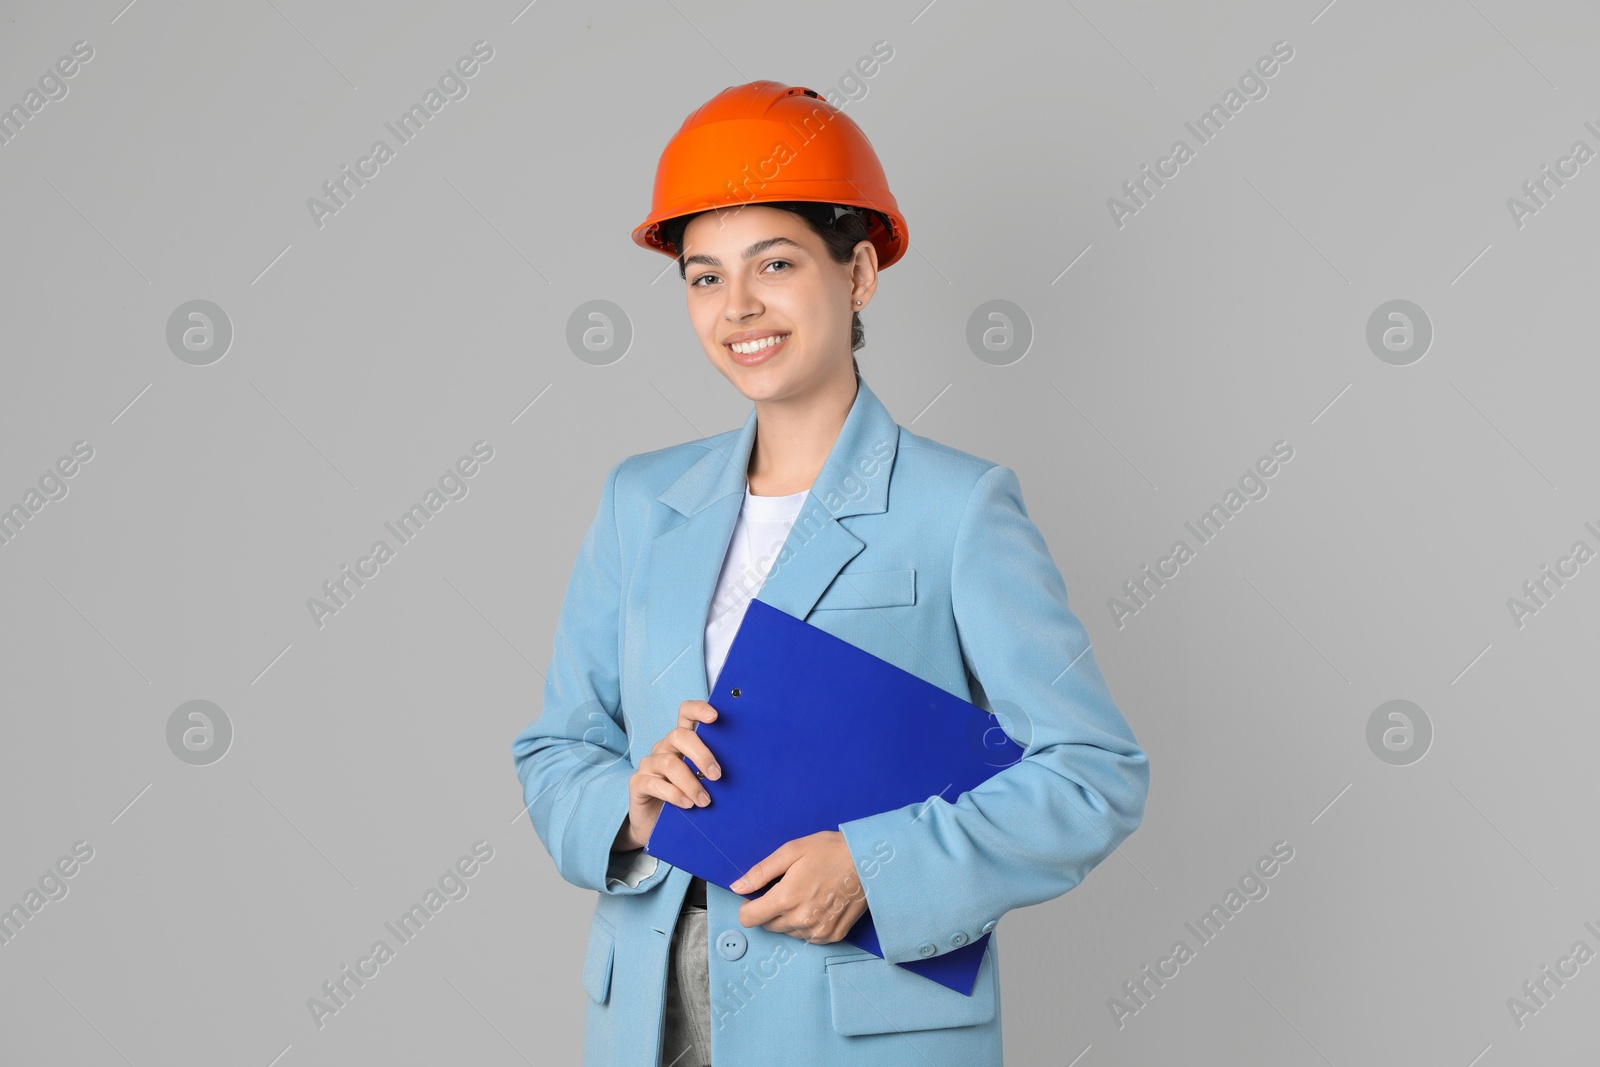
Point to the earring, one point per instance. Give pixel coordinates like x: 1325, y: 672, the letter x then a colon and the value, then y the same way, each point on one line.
x: 858, y: 303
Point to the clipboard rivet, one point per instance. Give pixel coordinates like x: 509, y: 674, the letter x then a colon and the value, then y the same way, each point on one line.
x: 736, y: 692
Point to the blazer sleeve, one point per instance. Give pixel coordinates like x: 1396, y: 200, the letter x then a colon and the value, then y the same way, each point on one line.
x: 573, y: 759
x: 1036, y: 828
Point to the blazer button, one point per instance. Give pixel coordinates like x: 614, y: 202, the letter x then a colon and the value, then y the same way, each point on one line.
x: 926, y: 949
x: 731, y: 944
x: 958, y: 939
x: 988, y: 926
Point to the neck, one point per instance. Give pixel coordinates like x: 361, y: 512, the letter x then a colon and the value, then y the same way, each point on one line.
x: 795, y: 435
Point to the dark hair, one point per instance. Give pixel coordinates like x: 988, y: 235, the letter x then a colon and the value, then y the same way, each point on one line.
x: 839, y: 235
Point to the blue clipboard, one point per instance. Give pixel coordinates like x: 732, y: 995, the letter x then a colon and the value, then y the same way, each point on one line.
x: 905, y: 741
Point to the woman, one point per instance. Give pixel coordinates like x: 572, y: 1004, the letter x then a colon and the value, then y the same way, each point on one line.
x: 917, y: 552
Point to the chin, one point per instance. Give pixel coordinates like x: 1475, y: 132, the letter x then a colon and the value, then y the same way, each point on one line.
x: 764, y: 379
x: 757, y: 386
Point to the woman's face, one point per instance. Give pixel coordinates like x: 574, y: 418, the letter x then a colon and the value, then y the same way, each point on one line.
x: 789, y: 288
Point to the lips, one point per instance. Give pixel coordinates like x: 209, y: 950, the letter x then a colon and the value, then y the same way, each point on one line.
x: 752, y: 358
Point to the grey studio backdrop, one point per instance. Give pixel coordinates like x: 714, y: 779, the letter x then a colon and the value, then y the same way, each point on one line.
x: 1373, y: 275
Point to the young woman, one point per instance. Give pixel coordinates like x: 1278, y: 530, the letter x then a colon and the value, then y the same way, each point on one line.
x: 777, y: 211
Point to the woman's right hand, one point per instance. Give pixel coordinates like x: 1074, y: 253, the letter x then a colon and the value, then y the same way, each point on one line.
x: 663, y: 776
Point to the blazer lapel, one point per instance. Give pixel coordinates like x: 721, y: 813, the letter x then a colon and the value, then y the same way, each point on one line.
x: 687, y: 557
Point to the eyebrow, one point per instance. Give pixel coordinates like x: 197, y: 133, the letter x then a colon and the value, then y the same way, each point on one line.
x: 754, y: 250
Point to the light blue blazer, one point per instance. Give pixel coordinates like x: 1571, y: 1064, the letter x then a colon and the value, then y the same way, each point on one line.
x: 923, y: 555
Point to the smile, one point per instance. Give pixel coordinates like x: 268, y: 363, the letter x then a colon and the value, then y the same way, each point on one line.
x: 750, y: 348
x: 749, y: 353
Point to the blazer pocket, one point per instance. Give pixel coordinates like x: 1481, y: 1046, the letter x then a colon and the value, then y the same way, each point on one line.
x: 597, y: 960
x: 870, y: 995
x: 870, y: 589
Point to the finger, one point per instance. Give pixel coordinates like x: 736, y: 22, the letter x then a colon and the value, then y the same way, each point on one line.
x: 782, y: 925
x: 692, y: 745
x: 671, y: 769
x: 661, y: 789
x: 764, y: 911
x: 798, y: 923
x: 694, y: 711
x: 810, y: 934
x: 803, y: 925
x: 765, y: 871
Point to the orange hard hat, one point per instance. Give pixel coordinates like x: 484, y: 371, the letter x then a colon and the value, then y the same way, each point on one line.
x: 765, y: 142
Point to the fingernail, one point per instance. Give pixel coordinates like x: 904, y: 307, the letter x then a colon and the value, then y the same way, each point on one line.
x: 716, y: 771
x: 703, y: 800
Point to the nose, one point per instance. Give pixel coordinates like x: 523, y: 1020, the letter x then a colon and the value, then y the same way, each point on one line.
x: 742, y: 300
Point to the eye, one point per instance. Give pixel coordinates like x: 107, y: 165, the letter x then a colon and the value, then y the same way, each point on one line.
x: 700, y: 278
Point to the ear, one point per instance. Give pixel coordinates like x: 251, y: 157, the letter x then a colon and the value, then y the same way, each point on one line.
x: 863, y: 274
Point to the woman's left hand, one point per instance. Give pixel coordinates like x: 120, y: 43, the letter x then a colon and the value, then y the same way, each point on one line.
x: 818, y: 897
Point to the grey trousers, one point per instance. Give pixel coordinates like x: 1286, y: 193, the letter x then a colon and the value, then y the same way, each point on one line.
x: 686, y: 1033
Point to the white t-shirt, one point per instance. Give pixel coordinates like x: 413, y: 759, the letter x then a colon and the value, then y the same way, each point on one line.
x: 758, y: 536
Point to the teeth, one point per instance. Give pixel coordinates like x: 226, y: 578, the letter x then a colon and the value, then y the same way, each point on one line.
x: 745, y: 348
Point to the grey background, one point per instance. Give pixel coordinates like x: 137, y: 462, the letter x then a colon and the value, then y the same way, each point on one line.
x: 1230, y: 313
